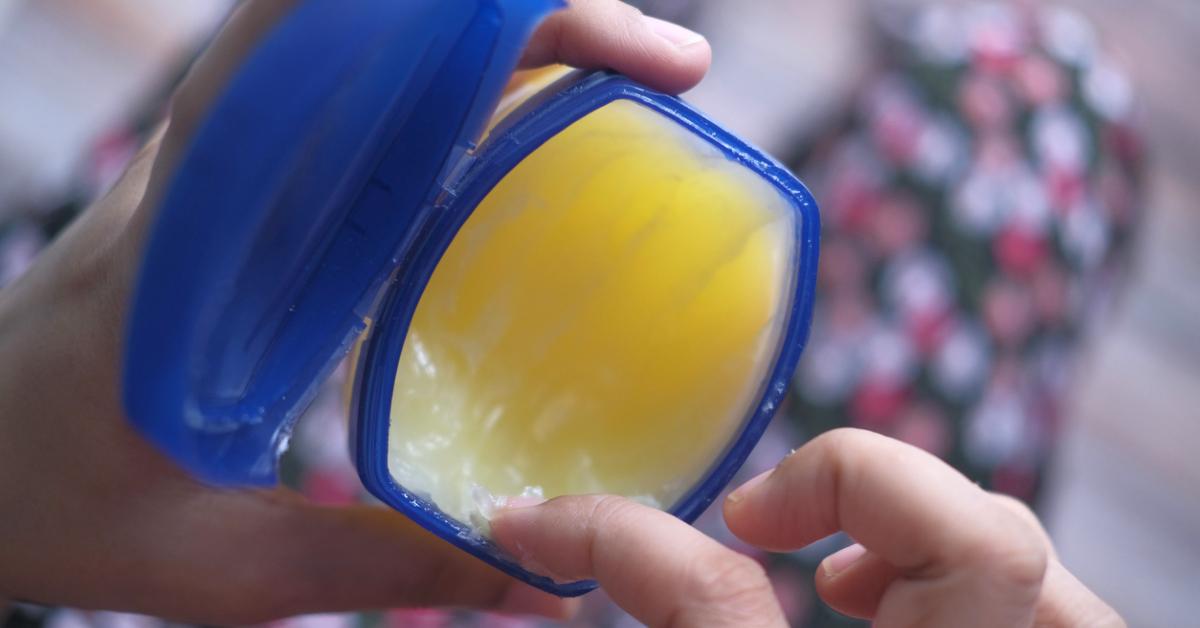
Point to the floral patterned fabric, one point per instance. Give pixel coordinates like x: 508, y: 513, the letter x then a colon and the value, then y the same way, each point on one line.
x: 978, y: 204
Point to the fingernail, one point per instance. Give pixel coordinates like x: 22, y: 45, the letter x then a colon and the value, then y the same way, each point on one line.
x: 677, y: 35
x: 742, y: 491
x: 521, y: 501
x: 838, y: 561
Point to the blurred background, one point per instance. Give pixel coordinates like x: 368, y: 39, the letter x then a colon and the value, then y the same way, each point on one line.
x: 1009, y: 265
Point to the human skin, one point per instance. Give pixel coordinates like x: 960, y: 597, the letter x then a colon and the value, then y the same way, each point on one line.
x: 94, y: 517
x: 933, y: 548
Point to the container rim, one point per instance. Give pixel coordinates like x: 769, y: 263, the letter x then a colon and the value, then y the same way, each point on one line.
x: 522, y: 132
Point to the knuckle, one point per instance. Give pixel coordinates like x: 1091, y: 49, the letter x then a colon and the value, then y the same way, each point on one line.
x: 839, y: 454
x: 1028, y: 553
x: 630, y: 15
x: 1015, y: 554
x: 605, y: 514
x: 1026, y: 562
x: 1022, y: 570
x: 607, y: 509
x: 1024, y: 513
x: 837, y: 444
x: 602, y: 12
x: 1016, y: 507
x: 733, y: 584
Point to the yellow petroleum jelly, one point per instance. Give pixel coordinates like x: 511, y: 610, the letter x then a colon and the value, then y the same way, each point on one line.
x: 603, y: 322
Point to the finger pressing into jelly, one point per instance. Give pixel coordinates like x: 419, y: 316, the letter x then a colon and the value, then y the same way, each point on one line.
x: 612, y: 34
x: 962, y: 558
x: 659, y: 569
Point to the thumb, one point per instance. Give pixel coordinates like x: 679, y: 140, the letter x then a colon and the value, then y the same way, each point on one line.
x: 612, y: 34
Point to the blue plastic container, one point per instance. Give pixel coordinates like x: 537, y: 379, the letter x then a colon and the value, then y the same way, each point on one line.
x: 320, y: 192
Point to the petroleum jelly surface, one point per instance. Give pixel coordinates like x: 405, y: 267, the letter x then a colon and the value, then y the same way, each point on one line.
x: 603, y: 322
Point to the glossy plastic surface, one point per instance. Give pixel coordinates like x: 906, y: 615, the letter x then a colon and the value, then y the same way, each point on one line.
x: 302, y: 191
x: 518, y: 135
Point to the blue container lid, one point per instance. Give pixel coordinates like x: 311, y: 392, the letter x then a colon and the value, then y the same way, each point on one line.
x: 293, y: 205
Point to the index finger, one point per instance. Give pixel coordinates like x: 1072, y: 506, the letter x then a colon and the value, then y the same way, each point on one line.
x: 962, y: 558
x: 656, y: 567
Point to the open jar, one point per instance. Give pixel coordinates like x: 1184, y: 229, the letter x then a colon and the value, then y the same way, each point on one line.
x: 594, y: 290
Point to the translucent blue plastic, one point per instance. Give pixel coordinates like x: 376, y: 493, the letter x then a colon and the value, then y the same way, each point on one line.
x: 520, y: 134
x: 297, y: 199
x: 322, y: 190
